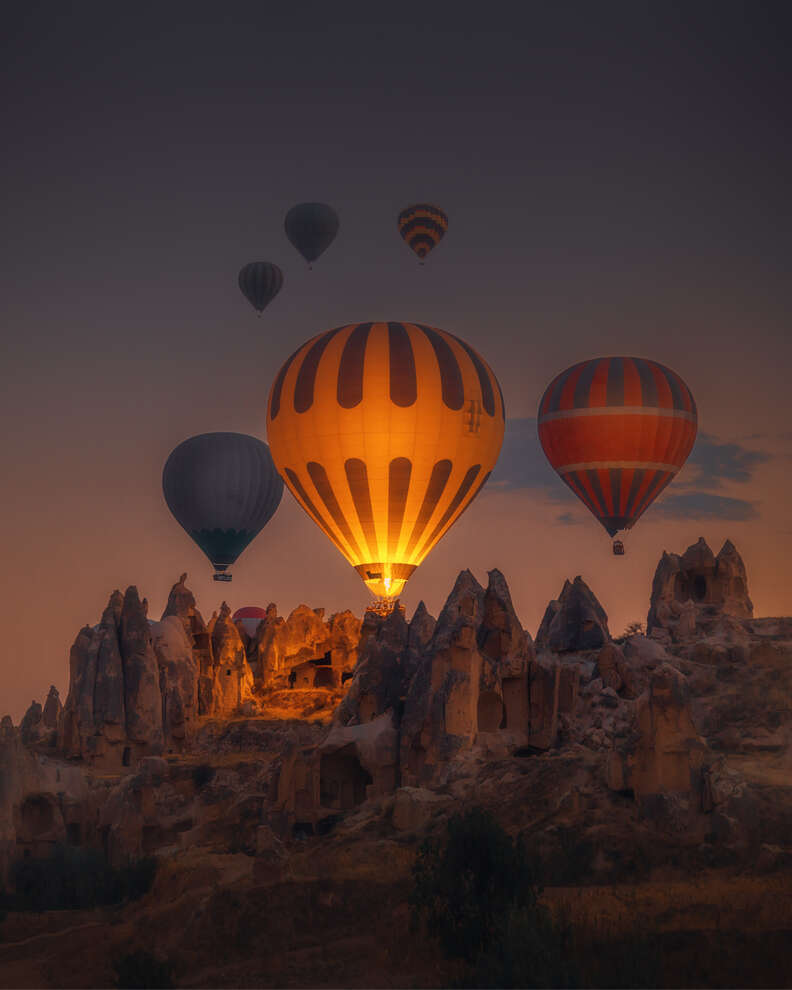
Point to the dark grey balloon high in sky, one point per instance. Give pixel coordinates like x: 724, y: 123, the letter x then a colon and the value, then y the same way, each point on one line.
x: 616, y: 178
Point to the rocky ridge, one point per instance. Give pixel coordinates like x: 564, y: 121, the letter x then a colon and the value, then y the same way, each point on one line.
x: 615, y: 758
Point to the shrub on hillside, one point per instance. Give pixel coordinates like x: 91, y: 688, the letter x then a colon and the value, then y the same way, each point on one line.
x: 468, y: 882
x: 72, y: 878
x: 141, y: 970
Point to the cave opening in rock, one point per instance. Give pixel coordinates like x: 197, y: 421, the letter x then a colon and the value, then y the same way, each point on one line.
x: 324, y: 677
x: 342, y: 779
x: 126, y: 756
x: 700, y: 587
x: 37, y: 816
x: 490, y: 712
x: 525, y: 751
x: 73, y: 833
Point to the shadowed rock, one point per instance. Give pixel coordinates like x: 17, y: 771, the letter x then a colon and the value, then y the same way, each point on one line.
x: 576, y: 621
x: 142, y: 699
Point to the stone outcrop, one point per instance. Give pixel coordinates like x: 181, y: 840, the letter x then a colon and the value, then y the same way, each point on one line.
x: 663, y: 752
x: 319, y: 651
x: 471, y: 685
x: 142, y: 698
x: 178, y: 679
x: 231, y: 676
x: 137, y: 687
x: 575, y: 621
x: 41, y: 801
x: 694, y: 593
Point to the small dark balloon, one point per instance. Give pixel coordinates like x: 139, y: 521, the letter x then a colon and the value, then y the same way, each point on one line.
x: 312, y: 228
x: 223, y: 489
x: 422, y: 226
x: 260, y: 282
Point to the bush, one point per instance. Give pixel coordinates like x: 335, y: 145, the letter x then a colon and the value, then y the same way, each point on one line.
x: 202, y: 775
x: 141, y: 970
x: 633, y: 629
x: 76, y: 878
x: 467, y: 884
x: 531, y: 951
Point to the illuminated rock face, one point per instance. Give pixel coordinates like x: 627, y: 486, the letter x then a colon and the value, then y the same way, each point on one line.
x: 304, y: 640
x: 696, y: 592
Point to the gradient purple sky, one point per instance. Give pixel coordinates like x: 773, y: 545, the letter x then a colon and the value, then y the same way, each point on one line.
x: 617, y: 181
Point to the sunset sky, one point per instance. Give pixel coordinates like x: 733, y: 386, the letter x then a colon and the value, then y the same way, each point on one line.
x: 616, y: 177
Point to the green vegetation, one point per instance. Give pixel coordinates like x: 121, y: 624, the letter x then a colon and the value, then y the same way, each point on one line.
x: 141, y: 970
x: 72, y: 878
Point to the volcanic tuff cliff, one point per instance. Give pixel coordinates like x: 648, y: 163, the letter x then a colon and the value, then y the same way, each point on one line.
x: 620, y: 760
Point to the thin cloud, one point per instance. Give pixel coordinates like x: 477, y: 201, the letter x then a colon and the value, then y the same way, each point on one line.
x: 567, y: 519
x: 704, y: 505
x: 522, y: 465
x: 717, y: 462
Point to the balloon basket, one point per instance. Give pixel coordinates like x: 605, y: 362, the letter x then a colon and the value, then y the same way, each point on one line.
x: 618, y: 548
x: 384, y: 606
x: 221, y: 577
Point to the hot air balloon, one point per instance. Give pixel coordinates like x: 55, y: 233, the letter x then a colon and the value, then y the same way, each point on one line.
x: 223, y: 489
x: 249, y: 618
x: 311, y: 227
x: 423, y: 226
x: 617, y: 430
x: 260, y: 282
x: 385, y: 433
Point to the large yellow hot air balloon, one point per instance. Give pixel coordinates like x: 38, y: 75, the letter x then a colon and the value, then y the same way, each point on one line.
x: 385, y: 433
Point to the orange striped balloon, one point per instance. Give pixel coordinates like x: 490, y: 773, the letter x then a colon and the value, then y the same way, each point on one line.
x: 385, y: 433
x: 423, y: 226
x: 617, y: 430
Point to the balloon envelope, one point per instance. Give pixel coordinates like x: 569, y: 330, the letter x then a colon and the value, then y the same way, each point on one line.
x: 385, y: 433
x: 423, y: 226
x: 260, y: 282
x: 249, y: 617
x: 223, y: 489
x: 311, y: 227
x: 617, y: 430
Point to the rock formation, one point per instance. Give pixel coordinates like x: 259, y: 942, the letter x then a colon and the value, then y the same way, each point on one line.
x: 656, y: 757
x: 576, y: 621
x: 231, y: 676
x: 663, y: 753
x: 319, y: 652
x: 692, y: 593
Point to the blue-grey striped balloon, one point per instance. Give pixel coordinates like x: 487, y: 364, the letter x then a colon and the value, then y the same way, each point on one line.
x: 311, y: 227
x: 260, y: 282
x: 222, y: 488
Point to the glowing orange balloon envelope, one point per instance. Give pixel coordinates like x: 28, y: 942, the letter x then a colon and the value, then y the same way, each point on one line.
x: 617, y: 430
x: 385, y: 433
